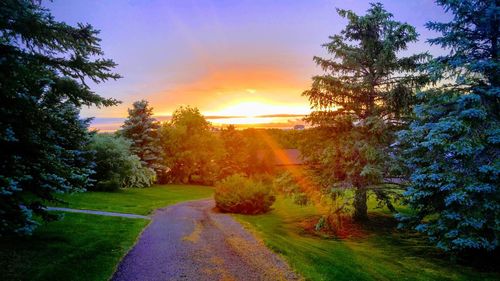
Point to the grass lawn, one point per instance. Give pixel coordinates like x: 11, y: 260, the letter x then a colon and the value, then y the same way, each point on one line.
x: 141, y: 201
x: 78, y: 247
x: 83, y: 246
x: 381, y: 255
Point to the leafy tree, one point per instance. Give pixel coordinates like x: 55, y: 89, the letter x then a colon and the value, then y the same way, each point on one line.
x: 142, y: 129
x: 236, y: 154
x: 192, y: 151
x: 364, y: 96
x: 249, y: 151
x: 116, y: 166
x: 285, y: 139
x: 44, y: 69
x: 453, y: 144
x: 260, y: 144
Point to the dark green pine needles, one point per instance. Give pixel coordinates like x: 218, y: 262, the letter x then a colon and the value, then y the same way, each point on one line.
x: 44, y: 69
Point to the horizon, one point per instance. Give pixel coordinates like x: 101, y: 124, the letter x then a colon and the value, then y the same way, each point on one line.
x: 225, y: 58
x: 271, y: 121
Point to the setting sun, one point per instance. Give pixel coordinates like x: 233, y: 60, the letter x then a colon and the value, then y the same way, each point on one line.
x: 258, y: 114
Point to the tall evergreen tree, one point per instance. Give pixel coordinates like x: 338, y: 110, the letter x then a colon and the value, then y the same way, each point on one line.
x: 362, y: 99
x: 44, y: 66
x: 142, y: 129
x: 453, y: 145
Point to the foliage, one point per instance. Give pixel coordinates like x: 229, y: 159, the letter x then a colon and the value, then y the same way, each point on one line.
x: 364, y: 96
x: 192, y: 151
x: 248, y: 151
x: 138, y: 175
x: 300, y: 198
x: 44, y: 68
x: 259, y: 146
x: 115, y: 166
x: 452, y: 146
x: 238, y: 194
x: 285, y: 184
x: 286, y: 139
x: 236, y: 155
x: 289, y: 186
x: 142, y: 129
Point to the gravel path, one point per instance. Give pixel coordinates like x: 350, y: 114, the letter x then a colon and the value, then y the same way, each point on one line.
x: 101, y: 213
x: 189, y: 241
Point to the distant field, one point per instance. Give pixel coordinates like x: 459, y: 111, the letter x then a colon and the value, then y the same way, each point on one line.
x: 381, y: 254
x: 136, y: 200
x: 88, y: 247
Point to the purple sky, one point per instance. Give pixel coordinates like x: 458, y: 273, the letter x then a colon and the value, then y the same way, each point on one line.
x: 221, y: 56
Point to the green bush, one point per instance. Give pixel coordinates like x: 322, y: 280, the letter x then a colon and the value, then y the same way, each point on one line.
x: 237, y: 194
x: 115, y: 166
x: 138, y: 175
x: 285, y: 184
x: 111, y: 184
x: 300, y: 198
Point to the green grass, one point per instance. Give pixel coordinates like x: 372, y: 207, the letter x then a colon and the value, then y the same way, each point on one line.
x: 141, y: 201
x: 83, y: 246
x: 78, y: 247
x: 384, y: 254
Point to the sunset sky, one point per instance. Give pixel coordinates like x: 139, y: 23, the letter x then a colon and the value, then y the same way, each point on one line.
x: 242, y: 58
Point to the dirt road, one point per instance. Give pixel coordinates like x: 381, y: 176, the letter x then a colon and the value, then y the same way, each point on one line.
x: 189, y: 241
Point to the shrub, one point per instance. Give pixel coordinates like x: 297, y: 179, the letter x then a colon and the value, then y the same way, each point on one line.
x: 284, y: 183
x: 288, y: 186
x: 237, y: 194
x: 115, y: 166
x: 111, y: 184
x: 300, y: 198
x: 139, y: 176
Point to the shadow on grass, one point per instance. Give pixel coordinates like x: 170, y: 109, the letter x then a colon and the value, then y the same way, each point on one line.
x: 381, y: 231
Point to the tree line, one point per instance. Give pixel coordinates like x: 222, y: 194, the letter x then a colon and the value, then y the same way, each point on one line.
x: 188, y: 149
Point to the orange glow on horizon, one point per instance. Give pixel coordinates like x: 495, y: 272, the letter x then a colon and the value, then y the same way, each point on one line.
x: 237, y: 91
x: 252, y: 109
x: 243, y: 120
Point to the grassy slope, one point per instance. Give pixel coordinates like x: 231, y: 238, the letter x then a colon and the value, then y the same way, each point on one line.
x: 385, y: 255
x: 140, y: 201
x: 87, y: 247
x: 79, y: 247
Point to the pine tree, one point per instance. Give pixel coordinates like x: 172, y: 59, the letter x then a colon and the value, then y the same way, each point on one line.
x: 142, y: 129
x: 364, y: 96
x: 44, y: 66
x: 453, y: 145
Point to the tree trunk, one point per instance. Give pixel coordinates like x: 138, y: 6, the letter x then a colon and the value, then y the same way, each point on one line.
x: 360, y: 208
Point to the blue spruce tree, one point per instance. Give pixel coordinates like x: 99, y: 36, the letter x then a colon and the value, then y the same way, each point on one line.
x: 142, y: 130
x: 44, y: 69
x: 452, y: 146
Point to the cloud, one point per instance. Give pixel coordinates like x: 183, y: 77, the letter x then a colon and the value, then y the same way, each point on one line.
x: 227, y: 87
